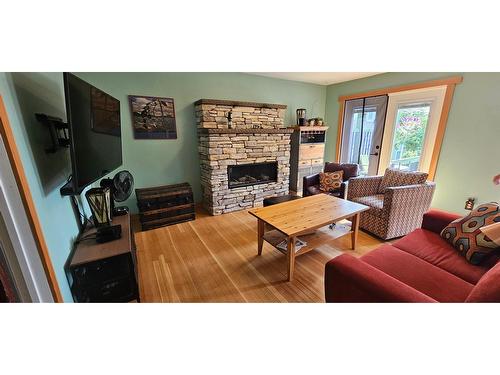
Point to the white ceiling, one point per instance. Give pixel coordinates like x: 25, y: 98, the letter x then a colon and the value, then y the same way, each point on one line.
x: 320, y: 78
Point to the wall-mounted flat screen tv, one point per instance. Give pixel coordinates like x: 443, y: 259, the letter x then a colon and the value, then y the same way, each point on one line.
x: 94, y: 132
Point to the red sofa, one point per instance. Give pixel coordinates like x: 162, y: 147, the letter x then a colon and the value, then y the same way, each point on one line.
x: 420, y: 267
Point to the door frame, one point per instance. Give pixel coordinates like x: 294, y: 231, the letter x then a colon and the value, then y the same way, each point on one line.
x: 21, y: 219
x: 449, y: 82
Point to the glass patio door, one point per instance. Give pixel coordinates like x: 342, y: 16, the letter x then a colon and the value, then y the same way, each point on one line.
x: 363, y: 129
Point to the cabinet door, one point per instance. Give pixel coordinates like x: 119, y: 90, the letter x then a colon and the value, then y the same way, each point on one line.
x: 311, y: 151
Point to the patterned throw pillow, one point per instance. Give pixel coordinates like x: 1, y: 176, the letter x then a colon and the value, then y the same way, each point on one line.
x: 464, y: 234
x: 329, y: 181
x: 395, y: 177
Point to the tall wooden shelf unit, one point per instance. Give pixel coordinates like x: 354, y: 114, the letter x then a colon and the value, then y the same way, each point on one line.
x: 307, y: 154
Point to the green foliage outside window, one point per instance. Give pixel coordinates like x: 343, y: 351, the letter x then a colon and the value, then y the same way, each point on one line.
x: 410, y: 131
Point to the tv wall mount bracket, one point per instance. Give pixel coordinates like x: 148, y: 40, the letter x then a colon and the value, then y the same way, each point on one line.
x: 58, y: 130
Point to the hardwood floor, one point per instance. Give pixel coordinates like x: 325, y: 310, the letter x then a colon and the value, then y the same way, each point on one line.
x: 214, y: 259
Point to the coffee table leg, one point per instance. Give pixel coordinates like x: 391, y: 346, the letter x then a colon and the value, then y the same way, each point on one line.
x: 260, y: 235
x: 354, y: 230
x: 290, y: 256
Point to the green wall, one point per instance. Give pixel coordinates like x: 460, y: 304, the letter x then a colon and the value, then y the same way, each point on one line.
x: 25, y: 94
x: 152, y: 162
x: 470, y: 154
x: 157, y: 162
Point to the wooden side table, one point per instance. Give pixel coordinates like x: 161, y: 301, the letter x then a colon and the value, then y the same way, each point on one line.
x: 104, y: 272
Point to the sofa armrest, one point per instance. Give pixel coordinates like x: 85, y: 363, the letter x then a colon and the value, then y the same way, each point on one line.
x: 437, y: 220
x: 363, y: 186
x: 349, y: 279
x: 308, y: 181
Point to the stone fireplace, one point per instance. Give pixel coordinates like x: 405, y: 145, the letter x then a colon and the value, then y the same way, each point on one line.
x: 247, y: 162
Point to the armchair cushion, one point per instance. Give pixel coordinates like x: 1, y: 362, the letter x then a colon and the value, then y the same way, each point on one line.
x: 394, y: 177
x: 375, y: 202
x: 329, y: 181
x: 363, y: 186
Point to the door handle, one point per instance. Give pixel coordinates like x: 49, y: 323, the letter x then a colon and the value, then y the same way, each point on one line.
x: 375, y: 154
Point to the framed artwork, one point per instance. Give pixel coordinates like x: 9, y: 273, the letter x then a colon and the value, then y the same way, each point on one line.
x: 153, y: 117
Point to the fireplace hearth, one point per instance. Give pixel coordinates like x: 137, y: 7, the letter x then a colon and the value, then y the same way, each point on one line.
x: 252, y: 174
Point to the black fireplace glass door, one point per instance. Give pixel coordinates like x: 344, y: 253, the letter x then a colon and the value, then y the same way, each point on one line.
x: 252, y: 174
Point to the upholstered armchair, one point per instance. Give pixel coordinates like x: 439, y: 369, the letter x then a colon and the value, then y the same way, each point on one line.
x: 310, y: 185
x: 397, y: 201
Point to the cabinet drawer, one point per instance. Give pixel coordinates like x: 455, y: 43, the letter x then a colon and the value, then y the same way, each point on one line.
x: 311, y: 151
x: 304, y: 163
x: 316, y: 162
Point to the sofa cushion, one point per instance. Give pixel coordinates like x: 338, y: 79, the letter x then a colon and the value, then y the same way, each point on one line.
x: 419, y: 274
x: 465, y: 234
x: 395, y: 177
x: 488, y: 288
x: 329, y: 181
x: 430, y: 247
x: 375, y: 202
x: 350, y: 170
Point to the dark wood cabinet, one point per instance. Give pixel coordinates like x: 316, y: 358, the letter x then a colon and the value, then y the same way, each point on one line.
x: 104, y: 272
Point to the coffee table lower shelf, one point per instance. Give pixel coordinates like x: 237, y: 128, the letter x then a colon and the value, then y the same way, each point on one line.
x: 274, y: 237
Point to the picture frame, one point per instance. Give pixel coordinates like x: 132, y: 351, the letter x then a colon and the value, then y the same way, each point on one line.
x: 153, y: 117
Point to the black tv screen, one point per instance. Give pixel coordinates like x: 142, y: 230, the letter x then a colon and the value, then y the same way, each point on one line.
x: 94, y: 131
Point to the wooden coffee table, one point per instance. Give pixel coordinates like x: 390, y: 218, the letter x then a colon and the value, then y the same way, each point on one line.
x: 302, y: 216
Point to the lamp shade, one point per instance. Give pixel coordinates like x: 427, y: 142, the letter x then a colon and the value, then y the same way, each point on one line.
x: 492, y: 231
x: 99, y: 200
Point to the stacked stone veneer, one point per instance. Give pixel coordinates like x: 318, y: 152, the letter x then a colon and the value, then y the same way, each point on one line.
x: 257, y: 135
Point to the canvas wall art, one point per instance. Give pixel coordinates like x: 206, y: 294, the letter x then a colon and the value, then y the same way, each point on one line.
x: 153, y: 117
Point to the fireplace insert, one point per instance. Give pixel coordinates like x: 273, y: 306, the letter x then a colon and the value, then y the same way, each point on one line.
x: 252, y: 174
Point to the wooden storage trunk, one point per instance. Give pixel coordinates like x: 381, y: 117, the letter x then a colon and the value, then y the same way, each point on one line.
x: 165, y: 205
